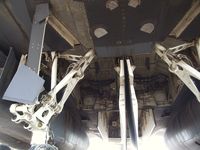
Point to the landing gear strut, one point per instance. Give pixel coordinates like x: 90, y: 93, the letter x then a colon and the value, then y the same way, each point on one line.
x: 177, y: 63
x: 127, y: 103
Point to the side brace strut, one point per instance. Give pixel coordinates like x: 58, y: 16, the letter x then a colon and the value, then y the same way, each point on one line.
x: 177, y: 64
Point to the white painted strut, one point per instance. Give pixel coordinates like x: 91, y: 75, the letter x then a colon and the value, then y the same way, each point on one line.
x: 122, y: 105
x: 38, y: 119
x: 124, y: 76
x: 134, y: 101
x: 179, y: 67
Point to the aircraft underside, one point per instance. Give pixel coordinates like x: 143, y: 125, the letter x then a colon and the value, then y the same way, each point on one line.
x: 119, y: 71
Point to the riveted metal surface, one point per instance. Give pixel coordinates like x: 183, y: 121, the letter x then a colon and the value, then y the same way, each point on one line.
x: 37, y: 37
x: 123, y: 23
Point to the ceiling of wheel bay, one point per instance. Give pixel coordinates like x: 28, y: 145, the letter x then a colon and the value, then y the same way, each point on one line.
x: 123, y: 24
x: 82, y: 17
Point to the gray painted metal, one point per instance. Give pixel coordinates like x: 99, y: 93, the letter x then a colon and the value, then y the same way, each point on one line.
x: 125, y: 50
x: 19, y: 11
x: 73, y: 16
x: 2, y: 59
x: 1, y: 70
x: 8, y: 71
x: 10, y: 33
x: 37, y: 37
x: 28, y: 83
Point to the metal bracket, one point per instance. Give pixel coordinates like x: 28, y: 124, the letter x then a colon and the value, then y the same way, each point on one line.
x: 178, y: 66
x: 37, y: 37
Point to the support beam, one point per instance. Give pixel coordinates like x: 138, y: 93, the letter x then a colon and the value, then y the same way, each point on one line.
x: 122, y: 106
x: 191, y: 14
x: 63, y: 31
x: 131, y: 103
x: 37, y: 37
x: 198, y: 47
x: 69, y: 57
x: 54, y: 69
x: 127, y: 103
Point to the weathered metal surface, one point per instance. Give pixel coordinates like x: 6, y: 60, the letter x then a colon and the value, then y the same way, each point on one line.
x: 73, y: 15
x: 122, y: 105
x: 147, y: 123
x: 25, y: 86
x: 64, y: 32
x: 123, y: 24
x: 8, y: 72
x: 191, y: 14
x: 17, y: 19
x: 2, y: 59
x: 103, y: 124
x: 124, y: 50
x: 20, y: 13
x: 53, y: 41
x: 10, y: 33
x: 37, y: 37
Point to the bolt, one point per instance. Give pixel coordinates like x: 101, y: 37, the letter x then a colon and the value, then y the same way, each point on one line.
x: 40, y: 124
x: 114, y: 123
x: 29, y: 117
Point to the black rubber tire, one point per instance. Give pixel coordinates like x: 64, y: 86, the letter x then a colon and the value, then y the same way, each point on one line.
x: 183, y: 131
x: 12, y: 142
x: 4, y: 147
